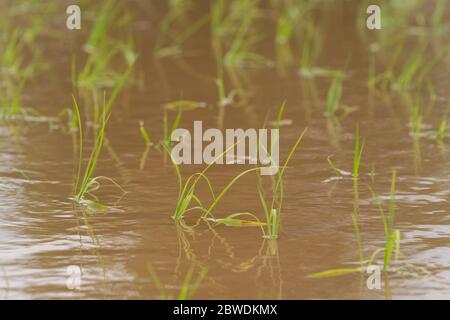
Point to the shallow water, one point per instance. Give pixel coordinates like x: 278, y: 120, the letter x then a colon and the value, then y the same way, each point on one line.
x: 42, y: 232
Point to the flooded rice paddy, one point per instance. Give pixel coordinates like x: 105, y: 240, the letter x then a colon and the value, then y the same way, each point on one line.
x: 394, y: 90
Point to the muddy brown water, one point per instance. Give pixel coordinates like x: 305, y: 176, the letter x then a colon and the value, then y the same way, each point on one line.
x: 42, y: 233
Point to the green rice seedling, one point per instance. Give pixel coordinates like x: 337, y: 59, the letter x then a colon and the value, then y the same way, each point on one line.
x: 416, y: 120
x: 334, y: 96
x: 359, y: 146
x: 354, y: 174
x: 392, y: 236
x: 187, y: 189
x: 415, y: 71
x: 272, y: 211
x: 168, y: 132
x: 88, y: 184
x: 409, y: 70
x: 11, y: 102
x: 440, y: 133
x: 188, y: 287
x: 144, y: 134
x: 186, y: 192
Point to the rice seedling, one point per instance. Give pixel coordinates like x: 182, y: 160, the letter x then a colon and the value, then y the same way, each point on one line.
x: 15, y: 69
x: 354, y: 174
x: 359, y: 147
x: 334, y: 95
x: 109, y: 12
x: 188, y: 287
x: 88, y: 184
x: 187, y: 189
x: 391, y: 240
x: 440, y: 133
x: 272, y: 212
x: 416, y: 120
x: 410, y: 69
x: 144, y: 134
x: 392, y: 236
x: 11, y: 102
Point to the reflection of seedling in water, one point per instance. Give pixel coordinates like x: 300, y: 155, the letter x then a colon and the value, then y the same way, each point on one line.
x: 188, y: 288
x: 90, y: 184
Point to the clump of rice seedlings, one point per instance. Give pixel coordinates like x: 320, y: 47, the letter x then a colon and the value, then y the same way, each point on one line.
x: 11, y: 105
x: 187, y: 192
x: 391, y: 240
x: 170, y: 27
x: 188, y: 287
x: 410, y: 69
x: 411, y: 74
x: 187, y: 189
x: 236, y: 31
x: 311, y: 46
x: 334, y: 95
x: 87, y: 184
x: 286, y: 27
x: 103, y: 50
x: 15, y: 72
